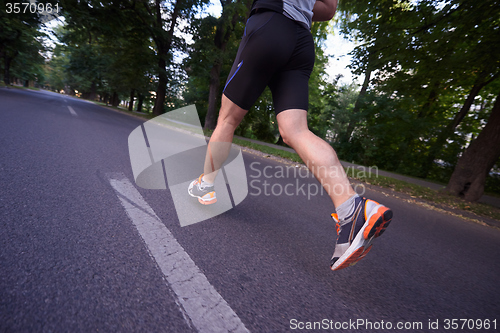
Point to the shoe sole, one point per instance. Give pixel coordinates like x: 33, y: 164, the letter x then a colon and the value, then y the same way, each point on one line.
x: 375, y: 226
x: 378, y: 222
x: 208, y: 202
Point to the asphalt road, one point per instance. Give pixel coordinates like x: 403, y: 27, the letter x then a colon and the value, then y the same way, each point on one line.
x: 73, y: 257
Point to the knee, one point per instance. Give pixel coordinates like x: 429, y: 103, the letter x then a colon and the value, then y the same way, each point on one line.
x: 284, y: 136
x: 288, y: 136
x: 227, y: 123
x: 294, y: 136
x: 230, y: 115
x: 292, y: 125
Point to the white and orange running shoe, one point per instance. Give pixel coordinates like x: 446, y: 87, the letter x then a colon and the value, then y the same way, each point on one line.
x: 354, y: 238
x: 203, y: 191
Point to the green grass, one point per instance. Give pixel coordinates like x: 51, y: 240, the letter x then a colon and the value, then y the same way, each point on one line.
x: 125, y: 110
x: 269, y: 150
x: 440, y: 198
x: 21, y: 87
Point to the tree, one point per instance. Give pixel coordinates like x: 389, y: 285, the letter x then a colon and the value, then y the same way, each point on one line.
x: 105, y: 20
x: 376, y: 25
x: 231, y: 12
x: 341, y: 113
x: 56, y: 69
x: 473, y: 167
x: 472, y: 57
x: 28, y: 62
x: 322, y: 89
x: 160, y: 19
x: 429, y: 61
x: 215, y: 42
x: 87, y: 24
x: 20, y: 38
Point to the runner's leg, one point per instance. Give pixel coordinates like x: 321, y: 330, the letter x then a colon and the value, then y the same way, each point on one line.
x: 318, y: 155
x: 230, y: 116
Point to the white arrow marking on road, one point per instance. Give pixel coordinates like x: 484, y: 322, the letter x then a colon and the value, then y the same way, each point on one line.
x: 72, y: 111
x: 199, y: 300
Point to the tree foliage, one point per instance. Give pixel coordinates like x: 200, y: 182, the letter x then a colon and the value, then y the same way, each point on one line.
x: 427, y: 67
x: 21, y: 46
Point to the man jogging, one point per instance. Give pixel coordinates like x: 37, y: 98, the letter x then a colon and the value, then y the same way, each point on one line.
x: 277, y: 50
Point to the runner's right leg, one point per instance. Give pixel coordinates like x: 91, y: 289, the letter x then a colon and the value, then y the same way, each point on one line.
x: 230, y: 116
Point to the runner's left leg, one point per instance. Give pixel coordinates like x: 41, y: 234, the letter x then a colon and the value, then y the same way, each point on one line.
x: 318, y: 155
x: 358, y: 220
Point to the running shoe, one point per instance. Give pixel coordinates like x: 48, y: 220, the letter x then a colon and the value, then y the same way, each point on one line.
x: 354, y: 239
x: 204, y: 192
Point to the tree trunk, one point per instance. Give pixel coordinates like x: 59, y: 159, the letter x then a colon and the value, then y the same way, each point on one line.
x: 357, y: 106
x: 425, y: 111
x: 225, y: 29
x: 131, y: 103
x: 163, y: 42
x: 470, y: 173
x: 161, y: 90
x: 116, y: 101
x: 6, y: 70
x: 213, y: 95
x: 93, y: 92
x: 139, y: 102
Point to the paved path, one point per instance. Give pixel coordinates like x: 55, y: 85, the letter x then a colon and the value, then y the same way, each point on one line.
x: 82, y: 249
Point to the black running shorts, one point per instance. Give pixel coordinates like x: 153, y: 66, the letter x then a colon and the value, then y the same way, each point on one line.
x: 277, y: 52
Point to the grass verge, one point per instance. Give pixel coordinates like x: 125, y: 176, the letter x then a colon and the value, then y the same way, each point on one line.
x: 438, y: 198
x: 124, y: 110
x: 20, y: 87
x: 294, y: 157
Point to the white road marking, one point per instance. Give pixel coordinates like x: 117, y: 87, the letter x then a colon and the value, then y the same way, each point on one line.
x: 198, y: 299
x: 72, y: 111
